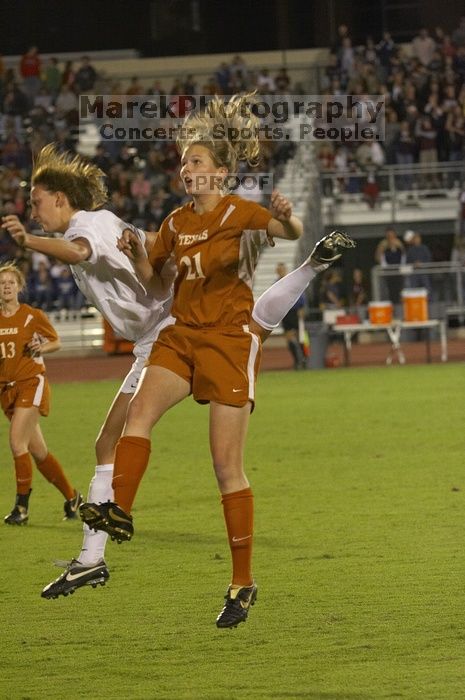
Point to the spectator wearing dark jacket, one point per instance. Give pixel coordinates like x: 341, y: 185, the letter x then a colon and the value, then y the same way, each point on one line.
x: 85, y: 77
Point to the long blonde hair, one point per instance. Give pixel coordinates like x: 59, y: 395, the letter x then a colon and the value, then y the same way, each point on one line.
x: 229, y: 130
x: 82, y: 182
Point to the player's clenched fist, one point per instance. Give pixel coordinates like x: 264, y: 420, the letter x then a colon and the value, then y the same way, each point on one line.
x: 281, y: 208
x: 131, y: 245
x: 15, y: 228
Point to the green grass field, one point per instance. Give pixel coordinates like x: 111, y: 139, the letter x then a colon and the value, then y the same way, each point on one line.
x: 359, y: 481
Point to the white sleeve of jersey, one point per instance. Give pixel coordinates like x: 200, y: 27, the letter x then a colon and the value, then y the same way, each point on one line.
x: 101, y: 230
x: 91, y: 237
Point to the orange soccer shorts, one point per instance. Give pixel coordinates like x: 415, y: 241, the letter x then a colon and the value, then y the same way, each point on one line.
x: 34, y: 391
x: 220, y: 364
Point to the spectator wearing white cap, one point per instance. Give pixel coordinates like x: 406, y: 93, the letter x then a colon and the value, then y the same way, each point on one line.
x: 417, y: 255
x: 409, y: 236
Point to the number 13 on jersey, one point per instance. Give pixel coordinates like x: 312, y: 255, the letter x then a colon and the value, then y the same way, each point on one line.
x: 7, y: 350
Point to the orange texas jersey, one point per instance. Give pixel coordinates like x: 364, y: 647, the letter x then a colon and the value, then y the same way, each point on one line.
x: 216, y: 254
x: 15, y: 333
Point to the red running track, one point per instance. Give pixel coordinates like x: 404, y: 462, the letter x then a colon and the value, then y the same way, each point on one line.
x: 95, y: 367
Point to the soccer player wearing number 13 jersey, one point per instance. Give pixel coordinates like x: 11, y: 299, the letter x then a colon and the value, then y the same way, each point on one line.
x: 25, y: 335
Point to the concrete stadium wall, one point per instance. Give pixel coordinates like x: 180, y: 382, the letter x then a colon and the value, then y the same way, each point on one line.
x: 301, y: 64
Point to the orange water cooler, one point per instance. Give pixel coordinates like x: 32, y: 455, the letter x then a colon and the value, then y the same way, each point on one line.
x: 380, y: 312
x: 415, y: 304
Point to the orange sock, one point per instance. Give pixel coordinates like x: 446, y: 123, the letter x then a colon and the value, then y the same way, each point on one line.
x: 238, y: 514
x: 23, y: 469
x: 52, y: 470
x: 131, y: 460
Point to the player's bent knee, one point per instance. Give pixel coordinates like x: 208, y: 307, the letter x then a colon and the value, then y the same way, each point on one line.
x: 229, y: 478
x: 106, y: 442
x: 139, y: 417
x: 38, y: 456
x: 135, y: 409
x: 18, y: 449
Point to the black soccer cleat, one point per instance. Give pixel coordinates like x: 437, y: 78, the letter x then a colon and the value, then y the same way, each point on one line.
x: 236, y: 608
x: 108, y: 517
x: 71, y: 506
x: 329, y: 249
x: 75, y: 576
x: 19, y: 514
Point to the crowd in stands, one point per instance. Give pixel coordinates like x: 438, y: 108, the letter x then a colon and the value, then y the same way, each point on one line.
x: 424, y: 87
x: 423, y: 83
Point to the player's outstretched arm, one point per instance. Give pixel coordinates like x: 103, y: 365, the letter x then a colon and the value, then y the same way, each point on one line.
x: 70, y: 252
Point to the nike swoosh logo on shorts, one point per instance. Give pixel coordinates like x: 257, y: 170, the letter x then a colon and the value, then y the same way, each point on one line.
x: 73, y: 577
x: 235, y: 390
x: 239, y: 539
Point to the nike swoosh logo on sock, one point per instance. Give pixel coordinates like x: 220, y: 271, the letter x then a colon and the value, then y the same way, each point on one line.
x: 239, y: 539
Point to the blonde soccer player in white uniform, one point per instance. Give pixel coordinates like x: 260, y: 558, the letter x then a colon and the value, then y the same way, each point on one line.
x: 65, y: 191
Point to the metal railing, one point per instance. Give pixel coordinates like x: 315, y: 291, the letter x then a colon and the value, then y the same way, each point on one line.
x: 397, y: 184
x: 445, y: 282
x: 397, y: 178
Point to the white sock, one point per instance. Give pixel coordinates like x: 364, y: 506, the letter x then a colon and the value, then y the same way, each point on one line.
x: 100, y: 490
x: 275, y: 302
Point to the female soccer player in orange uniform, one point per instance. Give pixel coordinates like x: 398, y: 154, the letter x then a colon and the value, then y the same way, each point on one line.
x: 25, y: 335
x: 210, y: 351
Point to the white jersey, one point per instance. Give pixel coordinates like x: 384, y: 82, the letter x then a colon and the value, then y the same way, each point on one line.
x: 107, y: 278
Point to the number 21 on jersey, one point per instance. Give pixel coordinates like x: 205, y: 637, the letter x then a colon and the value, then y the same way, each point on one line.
x: 194, y: 268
